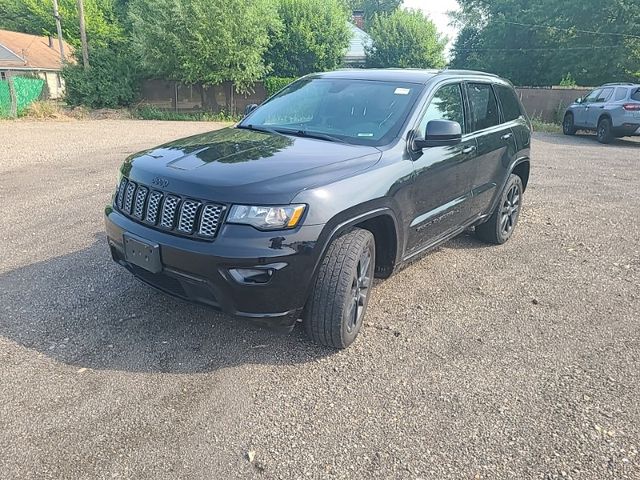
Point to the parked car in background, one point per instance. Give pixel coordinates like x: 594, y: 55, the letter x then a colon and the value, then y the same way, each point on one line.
x: 339, y: 177
x: 612, y: 111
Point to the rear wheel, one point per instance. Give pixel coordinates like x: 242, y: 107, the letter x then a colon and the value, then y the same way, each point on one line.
x: 502, y: 223
x: 604, y: 133
x: 338, y: 304
x: 568, y: 126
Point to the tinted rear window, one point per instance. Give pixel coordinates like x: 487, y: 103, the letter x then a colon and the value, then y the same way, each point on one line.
x: 509, y: 101
x: 621, y: 94
x: 484, y: 108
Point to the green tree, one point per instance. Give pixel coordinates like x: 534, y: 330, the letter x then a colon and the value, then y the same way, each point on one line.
x: 405, y: 39
x: 203, y: 41
x: 539, y: 43
x: 314, y: 37
x: 36, y: 17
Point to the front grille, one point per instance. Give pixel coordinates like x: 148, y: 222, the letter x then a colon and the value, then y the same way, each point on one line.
x: 169, y: 212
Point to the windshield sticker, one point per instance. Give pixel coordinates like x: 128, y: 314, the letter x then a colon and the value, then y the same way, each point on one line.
x: 365, y: 134
x: 402, y: 91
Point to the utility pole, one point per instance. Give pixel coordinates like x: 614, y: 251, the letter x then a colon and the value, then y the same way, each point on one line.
x: 59, y: 27
x: 83, y: 35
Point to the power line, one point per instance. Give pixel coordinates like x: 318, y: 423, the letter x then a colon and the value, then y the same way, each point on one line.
x: 549, y: 49
x: 572, y: 30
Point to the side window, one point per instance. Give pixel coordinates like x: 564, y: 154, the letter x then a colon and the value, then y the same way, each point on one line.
x: 509, y: 102
x: 636, y: 95
x: 446, y: 104
x: 592, y: 96
x: 484, y: 108
x: 621, y: 94
x: 605, y: 95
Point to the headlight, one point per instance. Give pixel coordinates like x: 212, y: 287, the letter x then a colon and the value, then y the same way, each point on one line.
x: 266, y: 218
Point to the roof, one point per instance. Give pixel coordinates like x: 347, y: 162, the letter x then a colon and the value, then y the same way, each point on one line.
x: 359, y: 39
x: 30, y: 52
x: 408, y: 75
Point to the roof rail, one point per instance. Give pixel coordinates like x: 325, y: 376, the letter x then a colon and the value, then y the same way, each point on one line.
x: 469, y: 72
x: 618, y: 83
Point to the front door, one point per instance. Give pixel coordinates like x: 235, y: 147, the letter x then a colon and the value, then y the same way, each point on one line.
x: 595, y: 109
x: 581, y: 110
x: 442, y: 175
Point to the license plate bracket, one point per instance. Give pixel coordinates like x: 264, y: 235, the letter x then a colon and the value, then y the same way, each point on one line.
x: 142, y: 253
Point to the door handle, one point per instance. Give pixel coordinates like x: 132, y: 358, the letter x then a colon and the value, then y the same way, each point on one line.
x: 468, y: 150
x: 507, y: 136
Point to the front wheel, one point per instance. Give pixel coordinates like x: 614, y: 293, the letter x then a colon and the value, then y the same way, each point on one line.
x: 337, y: 306
x: 502, y: 223
x: 568, y: 125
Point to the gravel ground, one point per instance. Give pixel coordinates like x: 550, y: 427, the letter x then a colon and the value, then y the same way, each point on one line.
x: 520, y: 361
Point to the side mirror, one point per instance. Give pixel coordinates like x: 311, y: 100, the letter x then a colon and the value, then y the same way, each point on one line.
x: 440, y: 133
x: 250, y: 108
x: 579, y: 100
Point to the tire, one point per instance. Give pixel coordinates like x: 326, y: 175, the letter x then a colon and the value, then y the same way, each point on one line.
x: 502, y: 223
x: 604, y: 133
x: 568, y: 127
x: 335, y: 311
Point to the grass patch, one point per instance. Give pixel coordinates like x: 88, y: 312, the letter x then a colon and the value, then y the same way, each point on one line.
x: 542, y: 126
x: 146, y: 112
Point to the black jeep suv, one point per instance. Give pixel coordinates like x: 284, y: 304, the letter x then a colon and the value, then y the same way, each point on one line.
x: 338, y: 178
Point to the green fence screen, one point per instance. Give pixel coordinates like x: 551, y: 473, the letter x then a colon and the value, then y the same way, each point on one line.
x: 28, y: 90
x: 5, y: 99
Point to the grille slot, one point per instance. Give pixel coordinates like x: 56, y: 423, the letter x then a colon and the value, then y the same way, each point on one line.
x: 120, y: 195
x: 210, y: 220
x: 141, y: 197
x: 153, y: 207
x: 188, y: 216
x: 128, y: 197
x: 168, y: 212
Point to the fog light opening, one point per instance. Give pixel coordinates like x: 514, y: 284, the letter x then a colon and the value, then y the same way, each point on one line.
x: 252, y: 275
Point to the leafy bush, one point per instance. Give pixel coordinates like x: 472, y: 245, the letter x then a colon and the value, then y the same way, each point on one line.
x: 149, y: 112
x: 274, y: 84
x: 112, y: 80
x: 568, y: 81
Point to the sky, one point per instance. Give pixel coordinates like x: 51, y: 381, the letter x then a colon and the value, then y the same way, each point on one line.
x: 437, y: 11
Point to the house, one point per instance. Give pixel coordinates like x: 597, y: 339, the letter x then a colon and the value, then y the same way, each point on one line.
x: 355, y: 56
x: 24, y: 54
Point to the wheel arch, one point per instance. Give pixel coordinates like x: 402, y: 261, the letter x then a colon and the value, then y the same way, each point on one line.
x: 522, y: 168
x: 382, y: 222
x: 604, y: 115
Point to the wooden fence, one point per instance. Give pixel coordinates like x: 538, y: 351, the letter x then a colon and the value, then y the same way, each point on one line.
x: 546, y: 104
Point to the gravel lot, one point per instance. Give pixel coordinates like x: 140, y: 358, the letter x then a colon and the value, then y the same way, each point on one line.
x: 520, y: 361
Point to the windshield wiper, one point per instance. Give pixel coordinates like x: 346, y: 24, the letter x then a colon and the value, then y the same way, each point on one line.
x: 259, y: 128
x: 308, y: 134
x: 292, y: 131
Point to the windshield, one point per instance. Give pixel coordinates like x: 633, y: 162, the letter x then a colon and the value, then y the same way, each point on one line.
x: 353, y: 111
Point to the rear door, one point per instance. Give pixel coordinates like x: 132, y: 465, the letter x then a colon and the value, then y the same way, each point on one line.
x: 595, y: 108
x: 496, y: 145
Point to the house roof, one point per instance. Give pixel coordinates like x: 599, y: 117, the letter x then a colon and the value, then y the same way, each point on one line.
x: 355, y: 52
x: 24, y: 51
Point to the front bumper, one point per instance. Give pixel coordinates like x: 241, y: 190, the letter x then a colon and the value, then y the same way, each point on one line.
x: 200, y: 271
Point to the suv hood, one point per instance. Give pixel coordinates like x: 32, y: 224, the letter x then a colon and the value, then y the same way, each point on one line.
x: 236, y: 165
